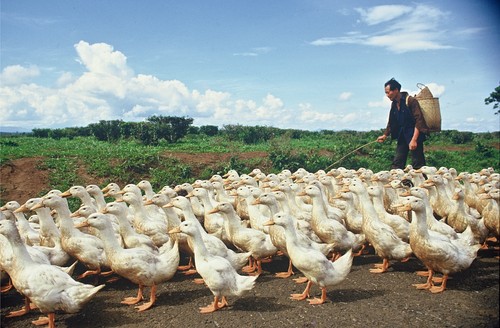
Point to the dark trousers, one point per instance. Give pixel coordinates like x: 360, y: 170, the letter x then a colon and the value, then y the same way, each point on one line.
x: 402, y: 150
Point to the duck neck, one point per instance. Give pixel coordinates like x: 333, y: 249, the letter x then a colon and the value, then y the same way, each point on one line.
x: 20, y: 252
x: 111, y: 244
x: 199, y: 248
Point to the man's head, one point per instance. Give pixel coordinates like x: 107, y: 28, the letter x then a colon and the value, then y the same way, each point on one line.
x: 392, y: 89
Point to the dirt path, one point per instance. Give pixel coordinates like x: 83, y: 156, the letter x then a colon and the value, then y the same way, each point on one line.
x: 362, y: 300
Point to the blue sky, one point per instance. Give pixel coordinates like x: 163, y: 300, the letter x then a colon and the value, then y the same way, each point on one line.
x: 309, y: 65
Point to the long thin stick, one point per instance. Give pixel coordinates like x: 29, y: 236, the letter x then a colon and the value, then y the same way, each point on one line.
x: 350, y: 153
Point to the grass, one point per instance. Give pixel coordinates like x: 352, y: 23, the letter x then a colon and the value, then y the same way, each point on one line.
x: 128, y: 161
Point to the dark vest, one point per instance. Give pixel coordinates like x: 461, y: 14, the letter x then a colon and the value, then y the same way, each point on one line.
x: 402, y: 122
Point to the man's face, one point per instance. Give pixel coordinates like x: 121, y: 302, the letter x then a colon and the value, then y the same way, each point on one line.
x: 391, y: 94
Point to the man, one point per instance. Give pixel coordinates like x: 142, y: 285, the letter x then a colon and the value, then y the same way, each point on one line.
x: 407, y: 125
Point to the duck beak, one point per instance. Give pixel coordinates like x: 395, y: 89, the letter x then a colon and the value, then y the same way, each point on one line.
x: 402, y: 207
x: 82, y: 224
x: 213, y: 210
x: 148, y: 202
x: 169, y: 205
x: 37, y: 206
x: 268, y: 223
x: 21, y: 209
x: 175, y: 230
x: 65, y: 194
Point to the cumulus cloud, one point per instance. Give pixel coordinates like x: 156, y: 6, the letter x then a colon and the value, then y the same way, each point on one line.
x: 109, y: 89
x: 17, y: 74
x: 398, y: 28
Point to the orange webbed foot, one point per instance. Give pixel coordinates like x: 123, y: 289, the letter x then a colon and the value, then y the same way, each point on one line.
x: 301, y: 280
x: 316, y: 301
x: 41, y: 321
x: 199, y: 281
x: 299, y: 297
x: 190, y: 272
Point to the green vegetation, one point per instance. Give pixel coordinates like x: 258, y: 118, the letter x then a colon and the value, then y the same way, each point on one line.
x: 128, y: 160
x: 494, y: 99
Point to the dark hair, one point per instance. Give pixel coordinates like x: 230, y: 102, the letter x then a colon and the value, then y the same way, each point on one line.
x: 393, y: 84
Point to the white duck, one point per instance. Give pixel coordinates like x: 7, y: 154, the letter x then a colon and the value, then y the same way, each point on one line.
x: 50, y: 242
x: 459, y: 218
x: 86, y: 248
x: 81, y: 193
x: 491, y: 212
x: 382, y: 237
x: 437, y: 252
x: 138, y: 265
x: 213, y: 222
x: 213, y: 244
x: 49, y: 233
x: 246, y: 239
x: 131, y: 238
x: 153, y: 227
x: 400, y: 226
x: 277, y: 234
x: 353, y: 219
x: 311, y: 262
x: 98, y: 195
x: 328, y: 229
x: 28, y: 234
x: 433, y: 224
x: 49, y: 288
x: 217, y: 273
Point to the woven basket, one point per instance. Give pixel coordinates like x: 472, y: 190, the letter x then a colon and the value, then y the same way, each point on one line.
x: 430, y: 108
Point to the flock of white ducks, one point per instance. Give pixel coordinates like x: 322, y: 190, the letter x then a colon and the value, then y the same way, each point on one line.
x: 232, y: 223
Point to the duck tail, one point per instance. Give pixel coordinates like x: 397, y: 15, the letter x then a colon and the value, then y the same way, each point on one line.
x: 237, y: 260
x: 78, y: 295
x: 245, y: 283
x: 344, y: 263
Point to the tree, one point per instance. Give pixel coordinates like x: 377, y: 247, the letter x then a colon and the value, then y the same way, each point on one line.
x: 494, y: 98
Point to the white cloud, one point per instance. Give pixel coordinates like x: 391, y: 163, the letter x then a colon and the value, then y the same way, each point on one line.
x: 17, y: 74
x: 344, y: 96
x: 254, y: 52
x: 379, y: 14
x: 108, y: 89
x: 408, y: 28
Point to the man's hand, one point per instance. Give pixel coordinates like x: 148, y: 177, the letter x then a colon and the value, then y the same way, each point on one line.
x: 382, y: 138
x: 412, y: 145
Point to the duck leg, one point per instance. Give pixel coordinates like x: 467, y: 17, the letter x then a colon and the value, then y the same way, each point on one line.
x: 134, y: 300
x: 186, y: 267
x: 287, y: 273
x: 316, y: 301
x: 305, y: 293
x: 25, y: 309
x: 258, y: 266
x: 428, y: 284
x: 214, y: 306
x: 441, y: 288
x: 361, y: 251
x: 152, y: 300
x: 89, y: 273
x: 380, y: 268
x: 7, y: 287
x: 50, y: 319
x: 251, y: 265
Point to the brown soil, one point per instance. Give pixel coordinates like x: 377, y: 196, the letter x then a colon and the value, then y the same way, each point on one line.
x: 362, y: 300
